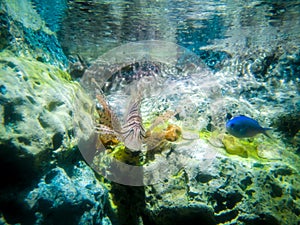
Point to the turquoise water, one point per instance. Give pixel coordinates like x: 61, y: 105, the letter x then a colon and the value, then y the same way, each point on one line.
x: 115, y: 112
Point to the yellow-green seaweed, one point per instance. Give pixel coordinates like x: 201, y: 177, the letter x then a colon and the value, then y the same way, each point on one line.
x: 121, y: 153
x: 239, y: 147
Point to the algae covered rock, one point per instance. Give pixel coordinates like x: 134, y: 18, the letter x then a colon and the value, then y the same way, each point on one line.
x: 37, y: 102
x: 211, y: 187
x: 36, y: 106
x: 43, y: 180
x: 228, y: 191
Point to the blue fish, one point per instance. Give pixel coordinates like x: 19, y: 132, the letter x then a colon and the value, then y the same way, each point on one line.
x: 244, y: 127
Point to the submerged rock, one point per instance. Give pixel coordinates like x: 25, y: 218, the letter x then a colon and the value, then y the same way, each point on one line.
x: 37, y: 102
x: 37, y: 105
x: 69, y: 197
x: 25, y: 33
x: 229, y: 190
x: 43, y: 178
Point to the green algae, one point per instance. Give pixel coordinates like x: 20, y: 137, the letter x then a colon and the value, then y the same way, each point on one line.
x: 35, y: 70
x: 259, y: 148
x: 121, y: 153
x: 240, y: 147
x: 43, y: 97
x: 205, y: 134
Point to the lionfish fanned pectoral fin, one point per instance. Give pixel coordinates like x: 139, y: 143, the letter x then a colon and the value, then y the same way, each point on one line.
x: 107, y: 136
x: 154, y: 140
x: 107, y: 116
x: 105, y: 130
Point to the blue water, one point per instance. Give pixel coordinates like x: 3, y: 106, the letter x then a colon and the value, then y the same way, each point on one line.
x: 93, y: 27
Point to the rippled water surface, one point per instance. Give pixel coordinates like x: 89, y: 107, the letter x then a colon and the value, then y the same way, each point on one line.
x: 90, y: 28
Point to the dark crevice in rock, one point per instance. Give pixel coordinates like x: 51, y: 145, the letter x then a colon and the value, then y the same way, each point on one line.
x: 18, y: 173
x: 203, y: 178
x: 15, y: 211
x: 66, y: 214
x: 18, y: 169
x: 202, y: 215
x: 233, y: 199
x: 226, y: 216
x: 261, y: 219
x: 5, y: 36
x: 288, y: 124
x: 50, y: 175
x: 11, y: 116
x: 246, y: 182
x: 67, y: 160
x: 57, y: 140
x: 131, y: 203
x: 276, y: 190
x: 227, y: 201
x: 282, y: 171
x: 24, y: 140
x: 31, y: 99
x: 54, y: 105
x: 220, y: 202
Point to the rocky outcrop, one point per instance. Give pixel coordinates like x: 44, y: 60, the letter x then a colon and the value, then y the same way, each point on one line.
x: 44, y: 178
x: 26, y: 34
x: 39, y: 158
x: 69, y: 196
x: 230, y: 190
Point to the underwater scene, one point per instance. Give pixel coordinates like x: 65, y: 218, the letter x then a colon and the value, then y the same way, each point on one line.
x: 150, y: 112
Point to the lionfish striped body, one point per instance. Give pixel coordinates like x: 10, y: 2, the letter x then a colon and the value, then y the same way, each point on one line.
x: 133, y: 132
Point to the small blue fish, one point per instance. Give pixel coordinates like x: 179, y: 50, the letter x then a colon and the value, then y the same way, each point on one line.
x: 243, y: 127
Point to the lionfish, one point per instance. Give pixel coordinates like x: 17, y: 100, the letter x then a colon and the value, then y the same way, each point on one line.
x: 132, y: 133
